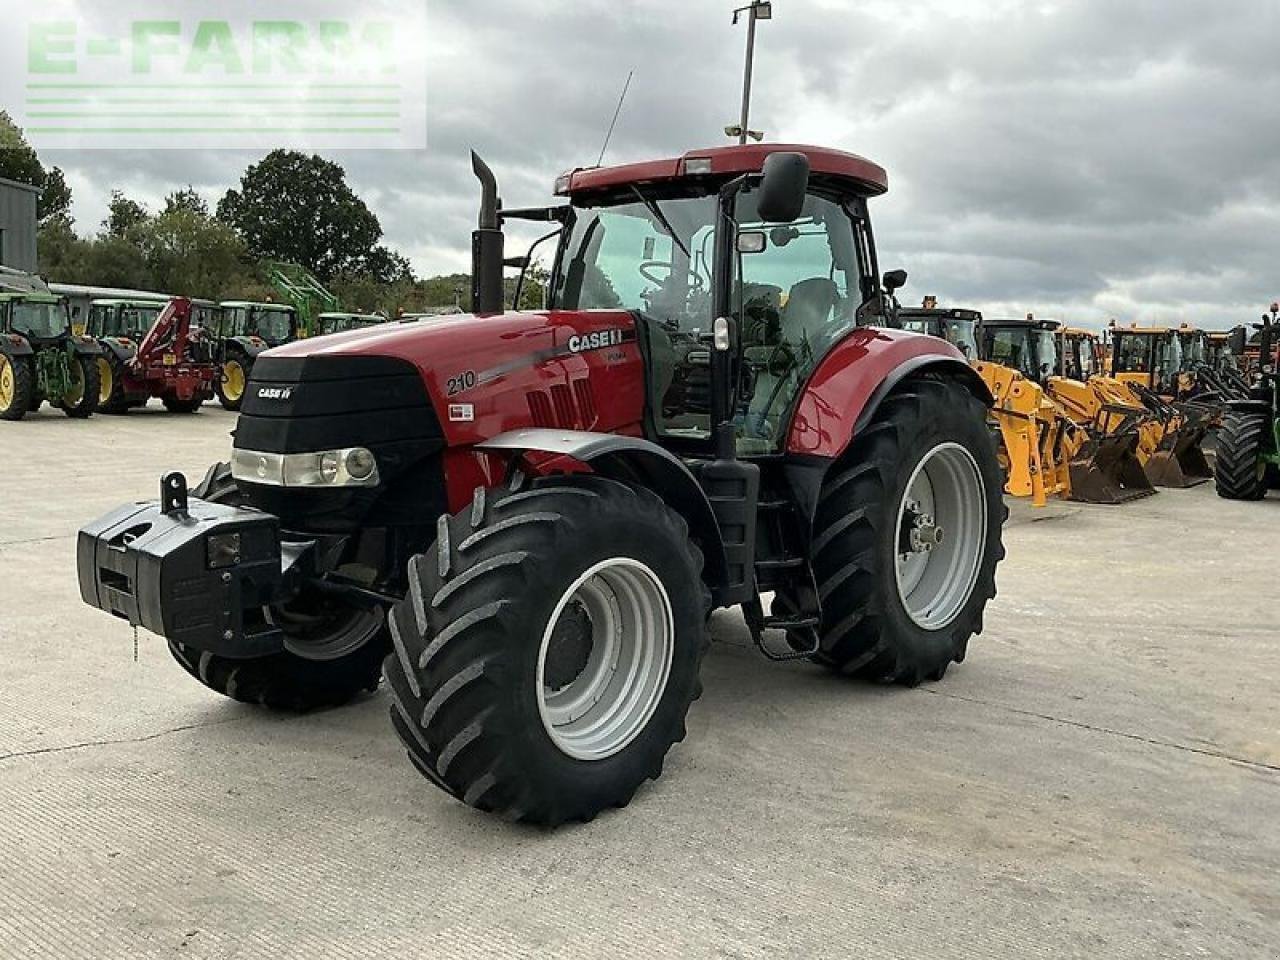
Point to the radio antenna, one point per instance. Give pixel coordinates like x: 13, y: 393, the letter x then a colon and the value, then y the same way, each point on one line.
x: 614, y: 122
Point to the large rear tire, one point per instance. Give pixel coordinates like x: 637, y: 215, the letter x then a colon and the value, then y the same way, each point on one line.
x: 17, y: 387
x: 548, y: 651
x: 1239, y: 470
x: 113, y: 387
x: 908, y: 535
x: 286, y: 680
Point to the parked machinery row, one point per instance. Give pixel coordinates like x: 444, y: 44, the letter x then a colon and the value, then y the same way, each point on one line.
x: 86, y: 353
x: 1096, y: 417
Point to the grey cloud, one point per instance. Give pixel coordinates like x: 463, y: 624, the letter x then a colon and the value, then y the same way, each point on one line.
x: 1082, y: 159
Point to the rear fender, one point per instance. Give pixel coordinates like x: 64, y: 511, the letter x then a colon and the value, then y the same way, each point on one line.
x: 1249, y: 406
x: 634, y: 461
x: 853, y: 380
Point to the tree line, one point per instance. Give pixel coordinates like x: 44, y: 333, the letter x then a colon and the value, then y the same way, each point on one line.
x: 288, y: 206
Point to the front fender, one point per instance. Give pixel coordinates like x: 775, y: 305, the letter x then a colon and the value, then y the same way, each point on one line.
x: 82, y: 346
x: 13, y: 345
x: 631, y: 460
x: 120, y: 348
x: 851, y: 382
x: 249, y: 346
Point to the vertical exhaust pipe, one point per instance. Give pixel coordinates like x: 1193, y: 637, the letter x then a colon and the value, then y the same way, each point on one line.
x: 487, y: 253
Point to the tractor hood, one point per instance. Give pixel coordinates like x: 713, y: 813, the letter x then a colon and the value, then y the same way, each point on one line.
x: 491, y: 373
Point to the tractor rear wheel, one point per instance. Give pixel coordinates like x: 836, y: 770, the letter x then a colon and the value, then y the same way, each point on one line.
x: 111, y: 387
x: 908, y: 535
x: 17, y: 387
x: 332, y: 653
x: 81, y: 398
x: 548, y: 651
x: 232, y: 379
x: 106, y: 382
x: 174, y: 404
x: 1239, y: 471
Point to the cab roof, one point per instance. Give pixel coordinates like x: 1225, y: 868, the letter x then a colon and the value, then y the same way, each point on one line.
x: 718, y: 162
x: 252, y: 303
x: 9, y: 296
x: 338, y: 314
x: 125, y: 302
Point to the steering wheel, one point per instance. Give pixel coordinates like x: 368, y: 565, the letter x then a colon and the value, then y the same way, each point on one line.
x: 646, y: 270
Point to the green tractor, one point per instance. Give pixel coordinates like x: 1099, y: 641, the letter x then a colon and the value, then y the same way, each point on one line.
x: 41, y: 359
x: 1248, y: 459
x: 243, y: 330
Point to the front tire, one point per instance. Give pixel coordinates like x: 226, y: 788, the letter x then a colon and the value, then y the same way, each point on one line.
x: 1239, y: 471
x: 175, y: 404
x: 17, y: 387
x: 548, y: 651
x: 232, y: 380
x: 907, y: 537
x: 286, y: 681
x: 81, y: 399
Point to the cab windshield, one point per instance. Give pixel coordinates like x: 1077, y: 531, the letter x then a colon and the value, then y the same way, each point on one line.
x: 1047, y: 353
x: 794, y: 292
x: 1012, y: 347
x: 273, y: 326
x: 40, y: 321
x: 132, y: 321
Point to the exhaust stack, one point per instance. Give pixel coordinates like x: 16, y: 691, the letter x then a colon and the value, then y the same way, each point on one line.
x: 487, y: 244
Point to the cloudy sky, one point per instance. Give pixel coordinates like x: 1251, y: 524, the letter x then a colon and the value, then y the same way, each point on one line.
x: 1082, y: 159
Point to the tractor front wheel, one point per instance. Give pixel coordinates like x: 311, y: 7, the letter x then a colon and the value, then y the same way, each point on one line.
x: 1239, y: 471
x: 17, y: 387
x: 83, y: 387
x: 548, y: 651
x: 332, y: 654
x: 232, y: 380
x: 907, y: 537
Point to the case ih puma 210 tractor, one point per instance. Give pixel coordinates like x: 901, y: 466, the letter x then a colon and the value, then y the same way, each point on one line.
x: 530, y: 516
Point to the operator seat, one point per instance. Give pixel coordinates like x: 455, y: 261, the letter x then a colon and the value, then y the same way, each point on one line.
x: 809, y: 307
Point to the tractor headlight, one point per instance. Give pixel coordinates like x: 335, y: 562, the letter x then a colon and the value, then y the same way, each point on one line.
x: 353, y: 467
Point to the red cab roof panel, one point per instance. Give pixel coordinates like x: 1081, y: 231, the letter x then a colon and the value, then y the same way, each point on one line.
x: 726, y: 161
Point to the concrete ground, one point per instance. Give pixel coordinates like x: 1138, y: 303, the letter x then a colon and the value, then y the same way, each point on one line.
x: 1100, y: 779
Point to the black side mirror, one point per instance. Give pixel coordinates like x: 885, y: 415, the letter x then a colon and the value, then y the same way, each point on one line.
x: 895, y: 280
x: 783, y: 189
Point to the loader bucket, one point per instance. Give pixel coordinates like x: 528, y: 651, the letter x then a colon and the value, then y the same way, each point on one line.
x: 1181, y: 463
x: 1107, y: 471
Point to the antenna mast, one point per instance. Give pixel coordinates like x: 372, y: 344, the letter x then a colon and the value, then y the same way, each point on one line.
x: 614, y: 122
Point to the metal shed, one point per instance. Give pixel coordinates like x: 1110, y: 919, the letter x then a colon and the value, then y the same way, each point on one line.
x: 18, y: 225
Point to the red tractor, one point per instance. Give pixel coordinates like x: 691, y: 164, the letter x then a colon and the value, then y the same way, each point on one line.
x: 151, y: 351
x: 531, y: 516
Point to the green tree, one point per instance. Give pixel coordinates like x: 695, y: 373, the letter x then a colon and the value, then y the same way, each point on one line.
x: 18, y: 161
x: 193, y: 254
x: 118, y: 262
x: 123, y: 216
x: 300, y: 208
x: 63, y: 256
x: 186, y: 199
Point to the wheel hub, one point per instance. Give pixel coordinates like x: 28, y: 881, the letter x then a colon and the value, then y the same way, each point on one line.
x: 570, y: 648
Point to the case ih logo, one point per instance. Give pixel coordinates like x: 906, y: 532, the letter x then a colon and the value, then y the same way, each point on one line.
x: 595, y: 341
x: 275, y: 393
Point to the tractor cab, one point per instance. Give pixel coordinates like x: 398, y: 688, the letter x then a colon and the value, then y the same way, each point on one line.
x: 960, y: 328
x: 340, y: 322
x: 1152, y: 357
x: 273, y: 323
x: 680, y: 243
x: 1078, y: 354
x: 1029, y: 346
x: 40, y: 318
x: 122, y: 319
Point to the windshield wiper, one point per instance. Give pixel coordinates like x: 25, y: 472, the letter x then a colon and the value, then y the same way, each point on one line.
x: 653, y: 208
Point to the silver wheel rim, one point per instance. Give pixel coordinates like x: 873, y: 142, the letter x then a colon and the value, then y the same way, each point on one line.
x: 941, y: 536
x: 632, y: 634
